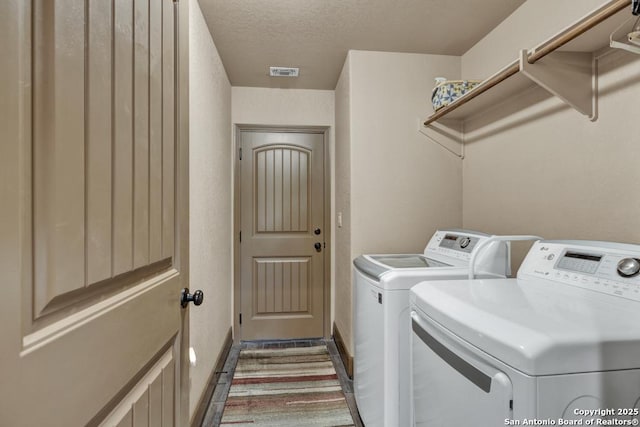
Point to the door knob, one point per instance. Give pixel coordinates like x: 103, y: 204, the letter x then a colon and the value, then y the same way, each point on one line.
x: 318, y: 246
x: 186, y: 297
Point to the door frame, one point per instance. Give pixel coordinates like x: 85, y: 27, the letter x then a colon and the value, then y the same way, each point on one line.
x: 182, y: 197
x: 328, y: 219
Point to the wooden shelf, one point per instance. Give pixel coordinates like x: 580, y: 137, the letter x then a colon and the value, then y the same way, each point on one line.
x: 566, y: 57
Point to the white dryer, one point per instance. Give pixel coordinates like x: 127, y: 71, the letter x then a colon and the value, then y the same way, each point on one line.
x: 558, y: 345
x: 381, y: 307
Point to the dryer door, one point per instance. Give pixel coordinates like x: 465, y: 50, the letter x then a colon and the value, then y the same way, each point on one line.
x: 452, y: 384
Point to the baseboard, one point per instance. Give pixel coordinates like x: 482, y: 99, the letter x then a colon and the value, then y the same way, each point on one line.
x: 201, y: 409
x: 347, y: 359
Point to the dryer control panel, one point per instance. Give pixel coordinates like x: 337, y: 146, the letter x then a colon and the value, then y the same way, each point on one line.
x: 610, y: 268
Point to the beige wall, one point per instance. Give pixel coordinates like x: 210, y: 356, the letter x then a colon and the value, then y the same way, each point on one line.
x: 290, y: 107
x: 343, y: 203
x: 534, y: 165
x: 529, y: 25
x: 395, y: 186
x: 282, y: 107
x: 210, y: 202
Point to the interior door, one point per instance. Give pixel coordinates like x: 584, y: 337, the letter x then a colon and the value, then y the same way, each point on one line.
x: 92, y: 247
x: 282, y: 234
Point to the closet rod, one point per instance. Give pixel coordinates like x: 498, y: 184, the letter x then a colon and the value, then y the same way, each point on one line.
x: 563, y: 38
x: 580, y: 28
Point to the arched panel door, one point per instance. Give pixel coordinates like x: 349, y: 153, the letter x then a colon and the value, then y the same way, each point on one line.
x: 282, y: 224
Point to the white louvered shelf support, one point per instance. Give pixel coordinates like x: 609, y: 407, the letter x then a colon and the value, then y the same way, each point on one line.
x: 448, y: 133
x: 570, y: 76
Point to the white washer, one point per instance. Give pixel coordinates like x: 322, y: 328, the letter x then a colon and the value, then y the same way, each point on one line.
x: 381, y: 307
x: 557, y: 342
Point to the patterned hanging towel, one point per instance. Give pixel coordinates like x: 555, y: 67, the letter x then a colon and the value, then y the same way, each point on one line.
x: 635, y: 7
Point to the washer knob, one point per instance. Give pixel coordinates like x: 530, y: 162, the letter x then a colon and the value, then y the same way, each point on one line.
x: 465, y: 242
x: 629, y: 267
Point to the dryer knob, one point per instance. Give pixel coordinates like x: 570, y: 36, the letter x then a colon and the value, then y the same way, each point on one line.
x: 629, y: 267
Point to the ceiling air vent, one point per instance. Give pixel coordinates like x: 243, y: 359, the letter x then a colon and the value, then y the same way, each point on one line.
x: 283, y: 71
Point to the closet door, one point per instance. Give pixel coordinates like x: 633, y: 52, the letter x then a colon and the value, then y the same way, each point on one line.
x: 91, y: 263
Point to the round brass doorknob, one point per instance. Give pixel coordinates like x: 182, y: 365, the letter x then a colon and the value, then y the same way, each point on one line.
x: 196, y: 298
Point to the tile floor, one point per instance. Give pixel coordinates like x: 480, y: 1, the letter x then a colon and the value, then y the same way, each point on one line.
x: 216, y: 405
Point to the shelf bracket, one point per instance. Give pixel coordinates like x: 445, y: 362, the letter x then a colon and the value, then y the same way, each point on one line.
x: 571, y: 76
x: 448, y: 133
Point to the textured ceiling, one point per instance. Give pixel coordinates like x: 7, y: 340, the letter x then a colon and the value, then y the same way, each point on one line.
x: 315, y: 35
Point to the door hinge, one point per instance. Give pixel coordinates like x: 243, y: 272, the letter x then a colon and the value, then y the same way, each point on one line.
x: 240, y: 316
x: 241, y: 237
x: 240, y: 153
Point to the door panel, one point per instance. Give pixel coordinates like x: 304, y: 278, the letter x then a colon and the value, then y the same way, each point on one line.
x: 282, y: 202
x: 281, y: 178
x: 83, y: 197
x: 123, y: 137
x: 87, y: 222
x: 281, y: 285
x: 168, y: 128
x: 58, y: 126
x: 98, y: 143
x: 150, y: 403
x: 141, y: 135
x: 155, y: 130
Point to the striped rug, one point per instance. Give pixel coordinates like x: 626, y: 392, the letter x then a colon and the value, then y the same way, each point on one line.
x: 286, y: 387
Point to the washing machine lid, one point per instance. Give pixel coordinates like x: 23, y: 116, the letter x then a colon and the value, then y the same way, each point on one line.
x: 375, y: 266
x: 407, y: 261
x: 536, y: 326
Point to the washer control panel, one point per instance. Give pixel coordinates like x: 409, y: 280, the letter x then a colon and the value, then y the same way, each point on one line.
x: 628, y: 267
x: 602, y: 267
x: 454, y: 244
